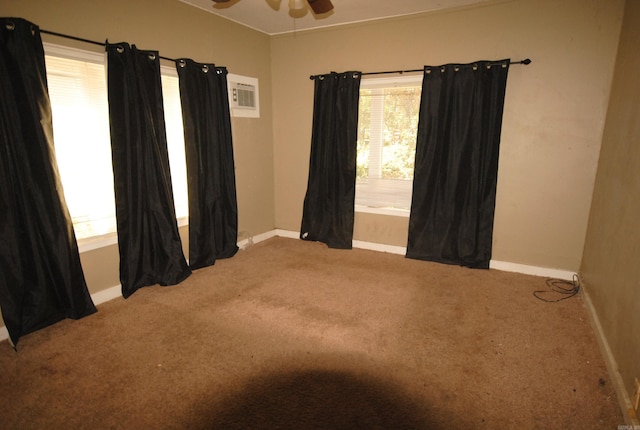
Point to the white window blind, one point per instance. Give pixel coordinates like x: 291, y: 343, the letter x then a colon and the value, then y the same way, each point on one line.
x: 78, y: 93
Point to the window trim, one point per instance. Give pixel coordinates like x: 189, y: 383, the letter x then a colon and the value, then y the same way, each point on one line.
x: 55, y: 50
x: 386, y: 82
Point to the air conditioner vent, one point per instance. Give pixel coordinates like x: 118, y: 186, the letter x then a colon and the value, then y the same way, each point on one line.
x: 244, y: 96
x: 244, y: 99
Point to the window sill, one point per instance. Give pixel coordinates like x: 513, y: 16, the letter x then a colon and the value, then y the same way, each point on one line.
x: 97, y: 242
x: 383, y: 211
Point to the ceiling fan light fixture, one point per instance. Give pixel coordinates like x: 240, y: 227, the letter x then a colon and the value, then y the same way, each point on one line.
x: 320, y: 6
x: 297, y: 4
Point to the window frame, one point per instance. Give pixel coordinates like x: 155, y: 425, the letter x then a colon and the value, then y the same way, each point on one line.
x: 414, y: 80
x: 62, y: 51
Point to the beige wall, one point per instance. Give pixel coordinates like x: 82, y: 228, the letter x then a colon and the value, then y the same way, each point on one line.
x: 610, y: 265
x: 176, y: 30
x: 553, y: 121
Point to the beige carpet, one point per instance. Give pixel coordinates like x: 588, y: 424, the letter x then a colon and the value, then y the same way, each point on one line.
x: 293, y: 335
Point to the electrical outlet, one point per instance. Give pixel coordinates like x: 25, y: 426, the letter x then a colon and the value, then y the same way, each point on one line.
x: 636, y: 397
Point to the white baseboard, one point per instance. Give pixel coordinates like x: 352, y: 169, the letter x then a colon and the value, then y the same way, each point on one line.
x: 612, y: 366
x: 287, y: 233
x: 106, y: 295
x: 356, y: 243
x: 532, y: 270
x: 380, y: 247
x: 494, y: 264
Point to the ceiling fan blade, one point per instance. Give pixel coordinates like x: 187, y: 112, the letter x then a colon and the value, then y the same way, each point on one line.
x: 224, y: 4
x: 320, y: 6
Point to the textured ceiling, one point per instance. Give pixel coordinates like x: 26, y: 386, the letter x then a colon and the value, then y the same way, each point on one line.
x: 274, y: 17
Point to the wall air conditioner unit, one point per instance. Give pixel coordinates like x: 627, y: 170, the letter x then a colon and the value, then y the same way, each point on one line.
x: 244, y: 97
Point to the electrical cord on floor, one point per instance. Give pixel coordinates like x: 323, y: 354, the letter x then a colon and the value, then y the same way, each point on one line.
x: 566, y: 288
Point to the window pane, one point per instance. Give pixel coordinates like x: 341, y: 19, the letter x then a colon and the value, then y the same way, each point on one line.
x: 364, y: 136
x: 387, y: 129
x: 175, y: 141
x: 78, y: 94
x: 401, y: 106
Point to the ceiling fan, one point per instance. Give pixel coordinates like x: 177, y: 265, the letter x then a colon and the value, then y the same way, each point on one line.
x: 318, y: 6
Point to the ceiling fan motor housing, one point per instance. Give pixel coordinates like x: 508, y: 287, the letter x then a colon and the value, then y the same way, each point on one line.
x: 318, y: 6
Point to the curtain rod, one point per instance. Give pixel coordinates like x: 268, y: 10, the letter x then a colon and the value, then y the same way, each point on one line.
x: 93, y: 42
x: 525, y: 62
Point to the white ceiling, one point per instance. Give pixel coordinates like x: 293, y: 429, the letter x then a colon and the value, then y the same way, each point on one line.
x: 272, y: 16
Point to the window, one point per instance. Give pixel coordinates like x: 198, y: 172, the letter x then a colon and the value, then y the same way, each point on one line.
x: 79, y: 104
x: 175, y: 141
x: 387, y: 129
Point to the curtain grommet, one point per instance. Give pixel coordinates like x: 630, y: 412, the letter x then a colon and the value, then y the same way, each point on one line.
x: 205, y: 68
x: 10, y: 25
x: 151, y: 56
x: 182, y: 63
x: 119, y: 49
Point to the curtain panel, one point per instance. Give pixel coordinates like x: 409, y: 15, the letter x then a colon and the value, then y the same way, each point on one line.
x: 41, y: 279
x: 148, y: 239
x: 456, y: 163
x: 328, y: 211
x: 213, y: 207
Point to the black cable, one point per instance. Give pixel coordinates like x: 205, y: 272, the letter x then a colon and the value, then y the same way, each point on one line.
x: 559, y: 286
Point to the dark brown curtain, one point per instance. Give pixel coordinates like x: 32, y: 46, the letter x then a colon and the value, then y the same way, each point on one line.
x: 213, y: 207
x: 148, y: 239
x: 456, y: 165
x: 328, y: 211
x: 41, y: 279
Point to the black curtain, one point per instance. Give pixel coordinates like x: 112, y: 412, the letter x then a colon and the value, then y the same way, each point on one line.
x: 148, y: 239
x: 41, y: 279
x: 328, y: 211
x: 456, y: 164
x: 213, y: 207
